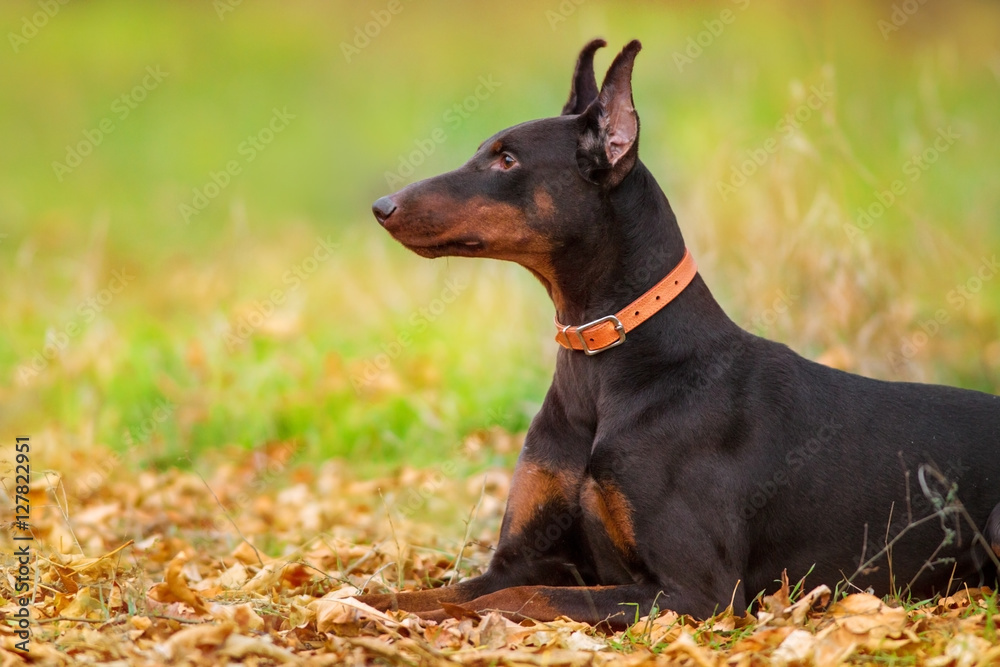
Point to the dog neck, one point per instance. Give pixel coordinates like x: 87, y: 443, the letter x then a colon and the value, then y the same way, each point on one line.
x: 643, y: 244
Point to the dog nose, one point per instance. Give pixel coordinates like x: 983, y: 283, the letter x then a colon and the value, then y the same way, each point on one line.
x: 383, y: 208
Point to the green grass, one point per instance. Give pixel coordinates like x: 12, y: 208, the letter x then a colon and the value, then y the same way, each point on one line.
x: 486, y: 359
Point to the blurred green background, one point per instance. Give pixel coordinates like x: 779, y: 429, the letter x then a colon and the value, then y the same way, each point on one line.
x: 159, y: 331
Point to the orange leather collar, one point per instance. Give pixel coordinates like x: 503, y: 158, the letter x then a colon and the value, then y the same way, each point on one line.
x: 607, y: 332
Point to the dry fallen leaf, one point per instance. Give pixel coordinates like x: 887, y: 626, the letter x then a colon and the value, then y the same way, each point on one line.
x: 209, y: 635
x: 175, y: 588
x: 865, y: 614
x: 581, y: 642
x: 84, y: 605
x: 493, y: 631
x: 293, y: 603
x: 331, y: 612
x: 801, y: 608
x: 796, y: 648
x: 240, y: 647
x: 234, y: 577
x: 966, y: 650
x: 243, y: 616
x: 685, y: 645
x: 774, y: 605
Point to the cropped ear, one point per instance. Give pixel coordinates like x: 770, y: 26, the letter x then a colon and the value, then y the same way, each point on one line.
x: 583, y: 90
x: 609, y: 135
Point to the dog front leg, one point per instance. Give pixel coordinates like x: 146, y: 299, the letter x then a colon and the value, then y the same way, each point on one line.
x: 430, y: 599
x: 541, y: 539
x: 610, y: 607
x: 541, y: 542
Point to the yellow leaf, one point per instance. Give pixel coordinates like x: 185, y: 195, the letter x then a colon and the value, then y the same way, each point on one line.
x: 862, y: 613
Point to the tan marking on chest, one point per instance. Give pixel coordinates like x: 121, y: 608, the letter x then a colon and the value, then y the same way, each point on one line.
x: 611, y: 507
x: 531, y: 489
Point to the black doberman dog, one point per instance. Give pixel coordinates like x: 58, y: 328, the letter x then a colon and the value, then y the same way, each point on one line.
x: 679, y: 461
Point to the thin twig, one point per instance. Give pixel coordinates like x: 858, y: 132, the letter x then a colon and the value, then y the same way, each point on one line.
x: 191, y: 621
x: 888, y: 555
x: 906, y: 475
x: 468, y: 528
x: 260, y: 561
x: 948, y: 506
x: 896, y: 539
x: 399, y: 553
x: 63, y: 507
x: 69, y: 619
x: 864, y: 548
x: 364, y: 586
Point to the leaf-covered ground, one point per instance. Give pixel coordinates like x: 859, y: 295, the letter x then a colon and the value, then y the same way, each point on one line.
x: 257, y: 562
x: 244, y: 562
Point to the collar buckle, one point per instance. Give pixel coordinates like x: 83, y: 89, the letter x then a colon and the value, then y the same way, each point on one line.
x: 589, y: 351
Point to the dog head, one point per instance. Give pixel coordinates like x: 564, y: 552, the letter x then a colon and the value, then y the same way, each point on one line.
x: 533, y: 190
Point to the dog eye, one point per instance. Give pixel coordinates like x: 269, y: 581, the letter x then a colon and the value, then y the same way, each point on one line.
x: 507, y: 161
